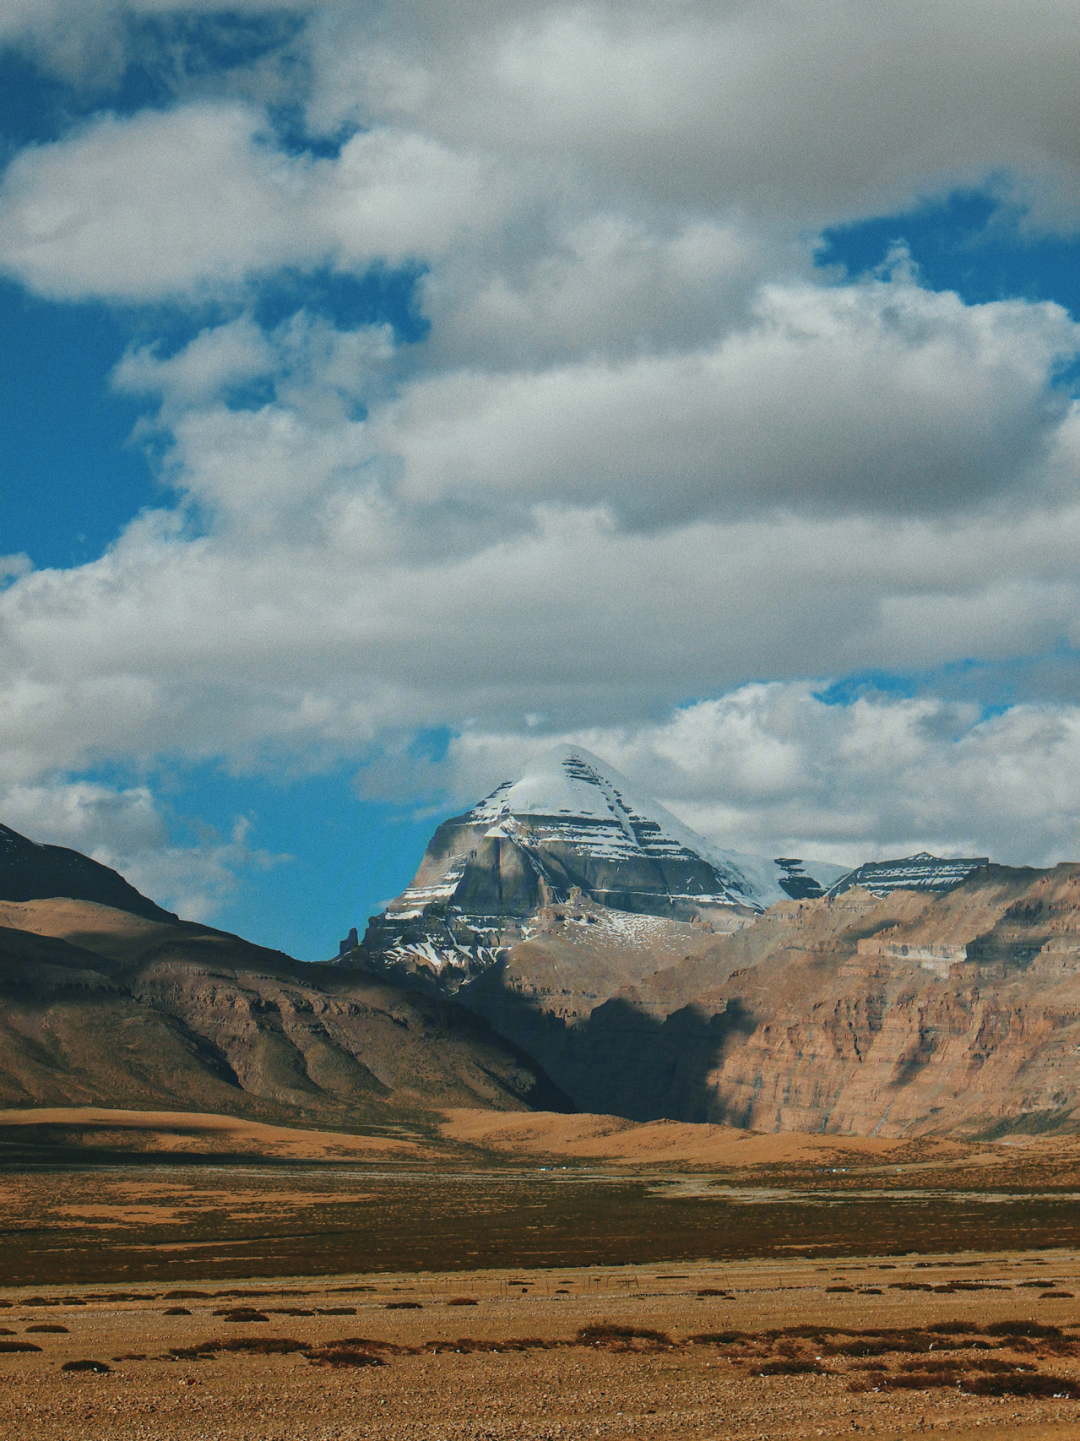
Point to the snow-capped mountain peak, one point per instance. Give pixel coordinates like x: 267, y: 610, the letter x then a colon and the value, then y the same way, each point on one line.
x: 571, y: 797
x: 569, y: 830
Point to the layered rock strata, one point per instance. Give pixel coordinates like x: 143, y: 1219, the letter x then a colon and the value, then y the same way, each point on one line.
x: 570, y: 831
x: 915, y: 1013
x: 921, y: 872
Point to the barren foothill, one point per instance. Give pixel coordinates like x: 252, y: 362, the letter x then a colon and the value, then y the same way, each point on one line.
x: 165, y: 1133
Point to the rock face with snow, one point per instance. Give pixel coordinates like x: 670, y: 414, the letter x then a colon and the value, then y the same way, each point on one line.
x: 570, y: 831
x: 922, y: 872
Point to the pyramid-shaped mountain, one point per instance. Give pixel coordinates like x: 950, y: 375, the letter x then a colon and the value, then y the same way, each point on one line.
x: 570, y: 829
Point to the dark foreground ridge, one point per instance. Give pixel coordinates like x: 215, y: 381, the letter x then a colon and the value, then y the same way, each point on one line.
x: 30, y: 872
x: 116, y: 1003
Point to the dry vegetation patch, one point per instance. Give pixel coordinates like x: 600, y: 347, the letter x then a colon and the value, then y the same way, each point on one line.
x: 631, y: 1354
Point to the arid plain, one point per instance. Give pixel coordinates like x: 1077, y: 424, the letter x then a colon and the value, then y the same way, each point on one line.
x: 531, y: 1275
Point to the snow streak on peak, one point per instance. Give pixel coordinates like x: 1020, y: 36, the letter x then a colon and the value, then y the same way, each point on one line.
x: 571, y: 797
x: 582, y: 799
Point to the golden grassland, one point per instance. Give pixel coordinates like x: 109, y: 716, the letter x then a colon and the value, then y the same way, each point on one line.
x: 485, y: 1275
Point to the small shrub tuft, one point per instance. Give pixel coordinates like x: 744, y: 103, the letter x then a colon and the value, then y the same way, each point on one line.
x: 343, y: 1356
x: 1061, y: 1387
x: 621, y: 1337
x: 789, y: 1366
x: 1022, y: 1328
x: 263, y: 1345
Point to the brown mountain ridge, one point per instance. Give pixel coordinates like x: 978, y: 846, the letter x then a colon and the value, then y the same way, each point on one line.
x: 904, y: 1015
x: 916, y: 1013
x: 103, y: 1006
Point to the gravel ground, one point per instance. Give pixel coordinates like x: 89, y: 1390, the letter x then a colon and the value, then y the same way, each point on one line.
x: 393, y: 1368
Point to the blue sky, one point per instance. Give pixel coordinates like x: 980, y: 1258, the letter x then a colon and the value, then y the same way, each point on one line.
x: 389, y: 394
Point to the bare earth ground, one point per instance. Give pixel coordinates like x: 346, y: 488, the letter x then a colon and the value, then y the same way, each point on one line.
x: 392, y: 1356
x: 614, y: 1139
x: 233, y: 1280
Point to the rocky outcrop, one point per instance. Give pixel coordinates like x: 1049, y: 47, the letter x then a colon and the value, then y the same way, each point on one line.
x: 921, y: 872
x: 906, y: 1015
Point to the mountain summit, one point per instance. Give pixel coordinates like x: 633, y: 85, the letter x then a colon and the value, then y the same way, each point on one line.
x: 569, y: 830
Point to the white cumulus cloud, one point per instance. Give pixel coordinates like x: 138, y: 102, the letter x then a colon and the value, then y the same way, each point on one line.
x: 125, y: 829
x: 648, y: 451
x: 184, y: 201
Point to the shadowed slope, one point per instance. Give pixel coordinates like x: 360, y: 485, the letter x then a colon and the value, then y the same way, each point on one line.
x: 29, y: 871
x: 911, y: 1014
x: 109, y: 1008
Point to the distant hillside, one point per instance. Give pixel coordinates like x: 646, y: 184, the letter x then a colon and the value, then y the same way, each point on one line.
x: 913, y: 1013
x: 101, y: 1006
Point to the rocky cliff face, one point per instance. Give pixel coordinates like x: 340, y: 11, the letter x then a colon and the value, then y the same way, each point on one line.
x: 570, y: 831
x: 911, y: 1014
